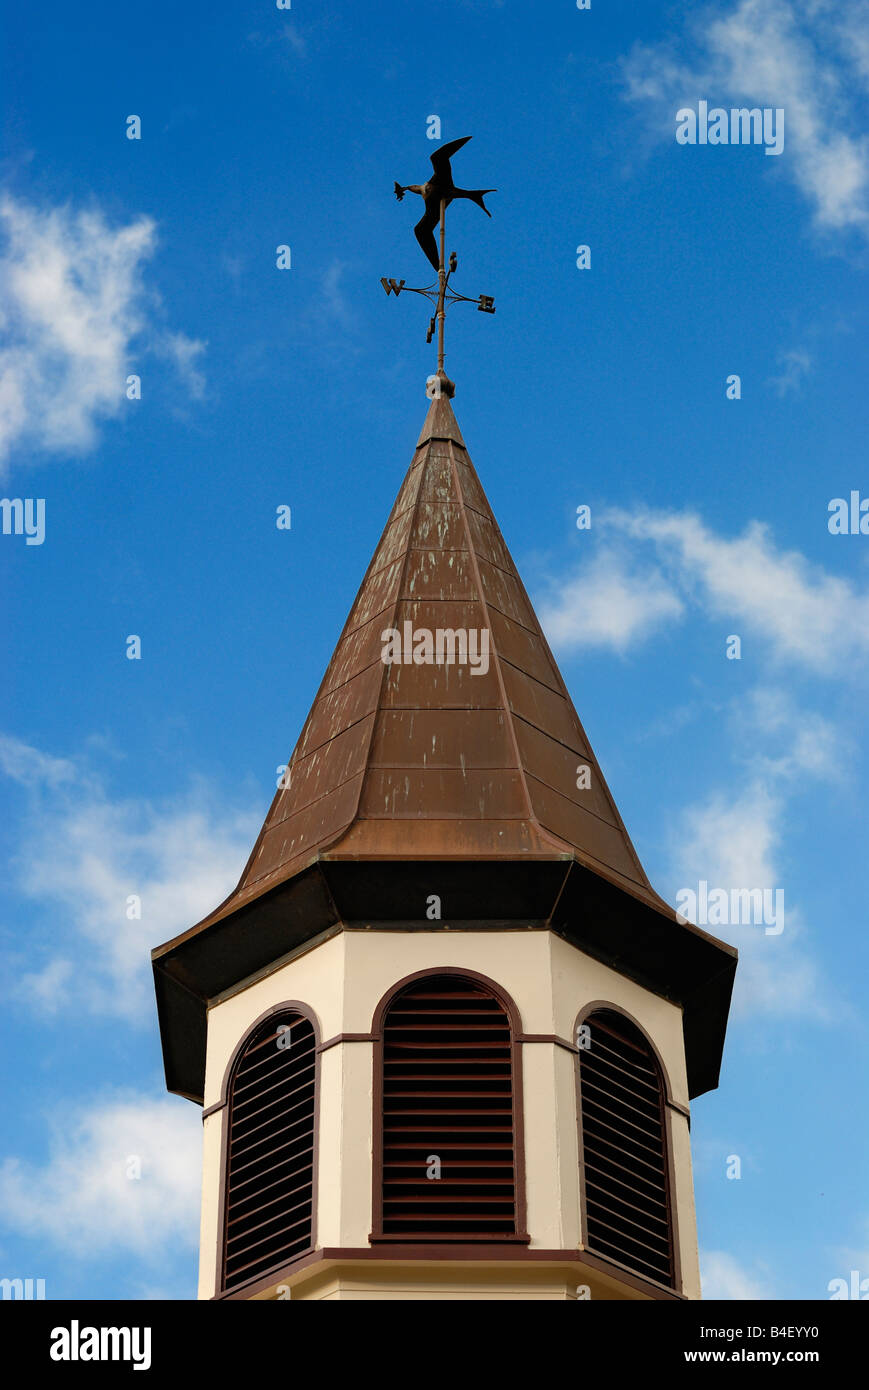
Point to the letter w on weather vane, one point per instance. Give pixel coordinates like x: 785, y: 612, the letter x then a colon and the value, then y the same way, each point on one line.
x: 437, y: 194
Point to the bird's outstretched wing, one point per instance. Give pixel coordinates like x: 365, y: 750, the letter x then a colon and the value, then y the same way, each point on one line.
x: 399, y: 191
x: 424, y: 233
x: 440, y: 160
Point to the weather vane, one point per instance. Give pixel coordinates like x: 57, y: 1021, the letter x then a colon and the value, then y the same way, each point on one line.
x: 437, y: 195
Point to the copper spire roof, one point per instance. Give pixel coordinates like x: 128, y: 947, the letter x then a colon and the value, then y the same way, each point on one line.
x: 438, y: 762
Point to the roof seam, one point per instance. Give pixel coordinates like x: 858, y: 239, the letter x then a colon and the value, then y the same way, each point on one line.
x: 306, y: 805
x: 498, y: 672
x: 587, y: 810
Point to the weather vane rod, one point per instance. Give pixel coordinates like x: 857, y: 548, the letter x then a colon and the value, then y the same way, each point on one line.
x: 437, y: 194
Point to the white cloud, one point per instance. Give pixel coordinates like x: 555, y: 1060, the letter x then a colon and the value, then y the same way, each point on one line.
x: 852, y: 1257
x: 783, y: 740
x: 852, y: 30
x: 735, y: 842
x: 723, y: 1277
x: 45, y: 989
x: 735, y: 839
x: 185, y: 353
x: 801, y: 613
x: 286, y: 36
x: 776, y: 53
x: 795, y: 367
x: 792, y: 609
x: 608, y: 604
x: 335, y: 302
x: 83, y: 853
x: 730, y: 840
x: 30, y: 767
x: 74, y: 319
x: 72, y: 290
x: 82, y: 1199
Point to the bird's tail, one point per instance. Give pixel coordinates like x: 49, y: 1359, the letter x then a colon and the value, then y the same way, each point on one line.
x: 476, y: 196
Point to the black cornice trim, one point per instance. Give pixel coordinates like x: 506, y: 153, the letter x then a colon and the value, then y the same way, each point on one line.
x: 678, y: 962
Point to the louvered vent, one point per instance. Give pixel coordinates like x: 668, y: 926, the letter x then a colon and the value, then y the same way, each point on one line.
x: 626, y: 1187
x: 447, y: 1101
x: 270, y: 1165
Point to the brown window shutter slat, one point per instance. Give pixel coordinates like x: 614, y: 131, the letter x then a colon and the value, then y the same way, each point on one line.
x: 447, y: 1090
x: 626, y: 1189
x: 269, y: 1178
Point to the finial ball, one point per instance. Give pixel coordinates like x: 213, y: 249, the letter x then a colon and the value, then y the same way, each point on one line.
x: 440, y: 385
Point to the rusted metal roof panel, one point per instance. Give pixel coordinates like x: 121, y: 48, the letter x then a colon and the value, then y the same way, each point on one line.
x: 440, y: 738
x: 287, y: 839
x: 540, y: 705
x: 355, y: 652
x: 377, y: 595
x: 453, y: 839
x: 487, y: 540
x: 407, y: 493
x: 441, y: 575
x: 437, y: 479
x: 392, y: 543
x: 308, y: 779
x: 453, y: 687
x: 504, y: 592
x: 559, y: 768
x: 333, y: 713
x: 439, y: 525
x: 524, y: 649
x: 599, y: 840
x: 470, y: 486
x: 440, y: 423
x: 442, y: 793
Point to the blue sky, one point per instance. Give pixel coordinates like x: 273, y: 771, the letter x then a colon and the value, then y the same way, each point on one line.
x: 305, y: 387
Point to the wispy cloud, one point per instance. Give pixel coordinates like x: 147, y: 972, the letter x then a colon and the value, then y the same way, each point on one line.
x: 185, y: 353
x: 795, y: 366
x: 328, y: 319
x: 783, y: 740
x: 724, y: 1277
x: 797, y: 611
x: 737, y: 839
x: 610, y: 603
x: 335, y: 302
x: 286, y: 36
x: 100, y: 860
x: 75, y: 318
x: 86, y: 1198
x: 846, y: 1258
x: 734, y: 841
x: 800, y: 612
x: 32, y: 768
x: 810, y: 60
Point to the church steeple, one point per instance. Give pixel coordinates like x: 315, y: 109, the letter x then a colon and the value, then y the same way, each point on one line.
x: 435, y: 833
x: 444, y: 1031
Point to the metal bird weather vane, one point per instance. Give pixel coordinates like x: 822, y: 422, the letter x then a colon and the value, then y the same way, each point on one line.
x: 437, y: 194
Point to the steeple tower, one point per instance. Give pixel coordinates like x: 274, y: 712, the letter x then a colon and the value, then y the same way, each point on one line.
x: 444, y: 1031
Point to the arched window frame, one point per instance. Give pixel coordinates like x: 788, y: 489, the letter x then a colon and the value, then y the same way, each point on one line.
x: 520, y: 1235
x: 667, y: 1105
x: 288, y: 1006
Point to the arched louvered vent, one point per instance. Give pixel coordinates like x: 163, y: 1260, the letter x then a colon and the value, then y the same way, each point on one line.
x: 448, y: 1143
x: 626, y: 1183
x: 270, y: 1156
